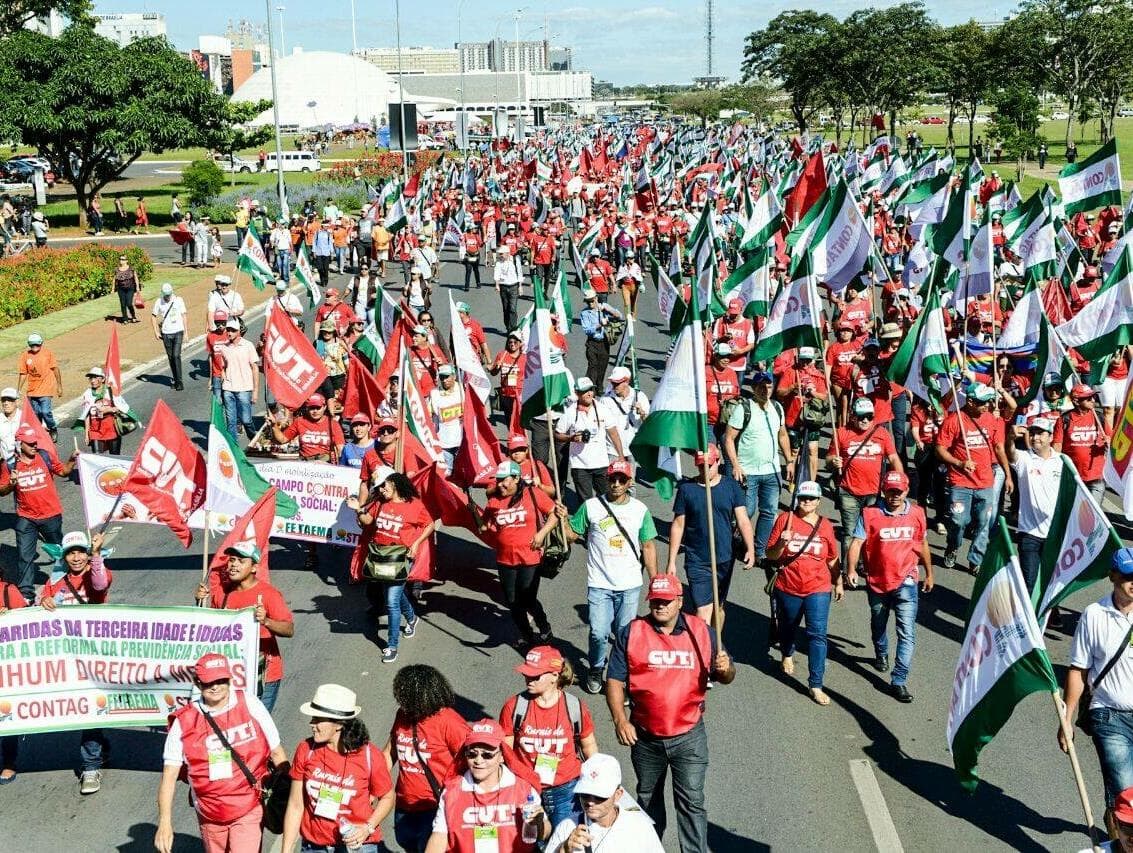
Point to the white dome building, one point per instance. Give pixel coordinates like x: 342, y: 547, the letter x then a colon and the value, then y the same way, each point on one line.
x: 318, y: 88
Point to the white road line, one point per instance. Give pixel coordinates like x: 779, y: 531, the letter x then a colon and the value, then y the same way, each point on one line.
x: 873, y: 803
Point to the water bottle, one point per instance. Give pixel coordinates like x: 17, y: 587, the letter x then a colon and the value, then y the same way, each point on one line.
x: 529, y: 809
x: 345, y: 828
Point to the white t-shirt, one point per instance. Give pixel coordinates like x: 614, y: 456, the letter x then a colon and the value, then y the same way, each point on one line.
x: 170, y: 314
x: 173, y: 753
x: 8, y: 426
x: 610, y: 561
x: 590, y: 454
x: 626, y: 423
x: 289, y: 302
x: 631, y: 832
x: 231, y: 303
x: 1100, y: 631
x: 448, y: 409
x: 1038, y: 481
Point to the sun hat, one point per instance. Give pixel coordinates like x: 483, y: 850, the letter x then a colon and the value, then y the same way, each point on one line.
x: 332, y: 701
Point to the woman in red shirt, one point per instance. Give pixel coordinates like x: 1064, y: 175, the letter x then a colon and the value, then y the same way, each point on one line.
x: 428, y: 735
x: 343, y: 791
x: 394, y: 517
x: 518, y: 519
x: 551, y: 731
x: 802, y: 543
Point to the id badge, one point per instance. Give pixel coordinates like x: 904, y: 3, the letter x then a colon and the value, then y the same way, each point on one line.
x: 485, y: 839
x: 546, y: 766
x: 328, y: 802
x: 220, y: 765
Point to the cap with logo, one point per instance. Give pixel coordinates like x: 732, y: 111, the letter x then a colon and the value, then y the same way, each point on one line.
x: 27, y: 435
x: 982, y: 393
x: 517, y: 442
x: 665, y: 587
x: 619, y: 466
x: 212, y: 667
x: 601, y: 776
x: 863, y: 406
x: 1041, y: 425
x: 1053, y: 380
x: 446, y: 370
x: 1123, y: 561
x: 761, y: 376
x: 895, y: 481
x: 360, y: 419
x: 735, y: 305
x: 722, y: 350
x: 1082, y: 392
x: 808, y: 489
x: 76, y: 540
x: 247, y: 549
x: 421, y: 330
x: 541, y: 659
x: 507, y: 469
x: 219, y: 316
x: 583, y: 384
x: 808, y: 353
x: 485, y: 732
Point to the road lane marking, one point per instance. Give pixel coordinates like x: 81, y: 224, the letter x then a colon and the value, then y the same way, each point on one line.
x: 873, y: 803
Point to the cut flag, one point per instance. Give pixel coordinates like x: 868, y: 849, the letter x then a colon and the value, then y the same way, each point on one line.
x: 292, y: 369
x: 924, y: 355
x: 255, y: 525
x: 750, y: 282
x: 1105, y: 323
x: 306, y: 276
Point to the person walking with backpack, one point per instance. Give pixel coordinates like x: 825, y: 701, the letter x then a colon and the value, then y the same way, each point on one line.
x: 551, y: 730
x: 754, y: 442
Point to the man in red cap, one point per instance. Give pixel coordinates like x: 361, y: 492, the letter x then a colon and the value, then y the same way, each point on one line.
x: 509, y: 366
x: 39, y: 514
x: 1079, y: 434
x: 738, y: 331
x: 320, y: 437
x: 664, y: 661
x: 891, y: 538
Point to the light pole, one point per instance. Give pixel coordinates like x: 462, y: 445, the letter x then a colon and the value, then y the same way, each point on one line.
x: 401, y: 94
x: 283, y: 212
x: 282, y: 46
x: 354, y: 55
x: 460, y: 58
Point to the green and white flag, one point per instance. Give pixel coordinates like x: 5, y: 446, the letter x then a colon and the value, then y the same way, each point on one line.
x: 794, y: 318
x: 924, y: 203
x: 950, y: 236
x: 542, y: 170
x: 669, y: 302
x: 1002, y: 659
x: 702, y: 250
x: 563, y: 308
x: 678, y: 414
x: 546, y: 380
x: 1028, y: 326
x: 973, y: 176
x: 750, y: 283
x: 234, y: 484
x: 1028, y: 231
x: 370, y: 346
x: 1078, y: 550
x: 627, y: 350
x: 306, y: 275
x: 1092, y: 183
x: 765, y: 218
x: 396, y: 218
x: 979, y: 273
x: 252, y: 259
x: 895, y: 176
x: 874, y: 171
x: 839, y: 243
x: 1106, y: 321
x: 923, y: 354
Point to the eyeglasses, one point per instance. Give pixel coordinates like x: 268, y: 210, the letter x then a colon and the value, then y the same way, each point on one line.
x: 223, y: 682
x: 387, y: 431
x: 864, y: 417
x: 480, y: 754
x: 807, y: 498
x: 316, y: 408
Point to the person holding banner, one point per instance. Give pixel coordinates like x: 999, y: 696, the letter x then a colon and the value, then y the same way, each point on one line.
x: 320, y: 437
x: 10, y: 599
x: 242, y: 588
x: 223, y: 741
x: 1038, y: 471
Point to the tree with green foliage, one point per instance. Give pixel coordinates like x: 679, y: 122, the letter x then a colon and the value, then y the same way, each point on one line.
x: 236, y: 134
x: 794, y: 48
x: 705, y: 104
x: 1015, y: 124
x: 754, y: 97
x: 16, y: 14
x: 93, y: 108
x: 963, y: 68
x: 203, y: 179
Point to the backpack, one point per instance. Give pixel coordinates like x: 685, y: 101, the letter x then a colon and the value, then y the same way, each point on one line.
x: 574, y: 713
x: 744, y: 403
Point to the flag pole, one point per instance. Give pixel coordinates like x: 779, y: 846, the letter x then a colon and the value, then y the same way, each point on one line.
x: 553, y: 458
x: 399, y: 453
x: 205, y: 556
x: 717, y: 614
x: 1080, y: 783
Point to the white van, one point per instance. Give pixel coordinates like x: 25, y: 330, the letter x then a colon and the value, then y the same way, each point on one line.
x: 294, y: 161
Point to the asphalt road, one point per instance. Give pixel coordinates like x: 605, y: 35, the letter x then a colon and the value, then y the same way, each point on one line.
x: 864, y: 773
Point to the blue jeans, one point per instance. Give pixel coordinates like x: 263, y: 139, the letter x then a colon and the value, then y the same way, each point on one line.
x: 28, y: 533
x: 970, y: 507
x: 215, y: 383
x: 816, y: 608
x: 1113, y: 739
x: 762, y: 493
x: 687, y: 756
x: 397, y: 603
x: 558, y: 801
x: 1030, y: 552
x: 270, y: 694
x: 92, y: 744
x: 42, y: 408
x: 899, y: 426
x: 411, y: 830
x: 903, y: 602
x: 607, y: 607
x: 308, y: 847
x: 283, y: 265
x: 237, y: 411
x: 850, y: 510
x: 340, y: 256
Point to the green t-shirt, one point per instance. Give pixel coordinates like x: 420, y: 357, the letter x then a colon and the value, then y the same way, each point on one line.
x: 757, y: 447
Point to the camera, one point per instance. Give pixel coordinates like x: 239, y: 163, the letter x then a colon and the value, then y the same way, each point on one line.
x: 586, y: 436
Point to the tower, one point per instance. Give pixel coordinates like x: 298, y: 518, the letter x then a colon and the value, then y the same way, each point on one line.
x: 708, y: 38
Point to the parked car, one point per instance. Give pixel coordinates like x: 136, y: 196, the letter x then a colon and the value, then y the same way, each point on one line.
x: 1125, y: 112
x: 1061, y: 115
x: 233, y: 163
x: 22, y: 171
x: 932, y: 120
x: 426, y: 142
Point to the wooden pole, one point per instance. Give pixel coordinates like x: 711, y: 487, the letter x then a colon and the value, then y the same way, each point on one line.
x: 717, y: 614
x: 1080, y: 783
x: 399, y: 453
x: 110, y: 515
x: 553, y: 458
x: 205, y: 557
x: 75, y: 439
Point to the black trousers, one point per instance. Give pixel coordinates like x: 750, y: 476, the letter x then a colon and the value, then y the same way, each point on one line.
x: 597, y: 360
x: 589, y: 482
x: 521, y: 595
x: 471, y: 268
x: 322, y: 264
x: 509, y: 300
x: 173, y: 353
x: 541, y: 450
x: 126, y: 303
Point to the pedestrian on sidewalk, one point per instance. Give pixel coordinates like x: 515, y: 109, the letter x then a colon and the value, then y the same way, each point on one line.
x: 171, y: 329
x: 9, y: 423
x: 126, y: 285
x: 41, y: 380
x: 39, y: 228
x: 141, y: 216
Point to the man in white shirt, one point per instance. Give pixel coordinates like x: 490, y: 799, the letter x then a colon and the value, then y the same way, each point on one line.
x: 623, y: 406
x: 1038, y: 472
x: 9, y: 422
x: 447, y: 404
x: 609, y: 818
x: 170, y: 322
x: 287, y: 302
x: 587, y: 431
x: 224, y: 298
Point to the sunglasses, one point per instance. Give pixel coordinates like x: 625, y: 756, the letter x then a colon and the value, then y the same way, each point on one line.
x: 387, y: 431
x: 473, y: 754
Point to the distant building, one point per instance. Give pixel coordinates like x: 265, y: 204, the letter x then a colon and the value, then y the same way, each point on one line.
x: 483, y: 90
x: 127, y: 27
x: 227, y: 64
x: 559, y: 59
x: 52, y: 24
x: 414, y: 60
x: 501, y: 55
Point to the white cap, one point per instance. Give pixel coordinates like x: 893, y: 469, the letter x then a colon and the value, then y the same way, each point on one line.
x: 808, y: 489
x: 9, y: 393
x: 35, y: 338
x: 589, y: 293
x: 601, y: 776
x: 863, y: 406
x: 96, y: 371
x: 167, y: 289
x: 74, y: 540
x: 620, y: 374
x: 722, y: 349
x: 381, y: 474
x: 281, y: 286
x: 1045, y: 424
x: 583, y: 384
x: 223, y: 279
x: 807, y: 352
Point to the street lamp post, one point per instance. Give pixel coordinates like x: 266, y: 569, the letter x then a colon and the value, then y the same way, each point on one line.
x: 460, y: 58
x: 401, y: 93
x: 282, y: 45
x: 283, y: 212
x: 354, y: 55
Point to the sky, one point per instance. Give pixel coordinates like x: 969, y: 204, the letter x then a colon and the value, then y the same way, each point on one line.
x: 622, y: 41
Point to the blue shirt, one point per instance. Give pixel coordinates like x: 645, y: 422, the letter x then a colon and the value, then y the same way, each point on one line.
x: 618, y: 667
x: 692, y: 503
x: 324, y: 243
x: 591, y: 321
x: 352, y: 454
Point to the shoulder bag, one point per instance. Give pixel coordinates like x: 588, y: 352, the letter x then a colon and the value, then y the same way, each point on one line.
x: 556, y: 550
x: 274, y: 789
x: 386, y: 563
x: 769, y: 587
x: 1083, y: 722
x: 622, y: 530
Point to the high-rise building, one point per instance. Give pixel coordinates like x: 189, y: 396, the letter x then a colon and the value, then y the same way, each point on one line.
x: 127, y: 27
x: 500, y: 55
x: 559, y: 59
x: 414, y: 60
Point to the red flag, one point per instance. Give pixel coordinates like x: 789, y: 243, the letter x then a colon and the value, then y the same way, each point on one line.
x: 43, y: 440
x: 254, y: 525
x: 412, y: 186
x: 444, y: 499
x: 168, y: 472
x: 584, y: 164
x: 362, y: 391
x: 112, y: 367
x: 292, y: 368
x: 515, y: 426
x: 1055, y: 302
x: 796, y: 147
x: 479, y: 453
x: 811, y: 184
x: 391, y: 359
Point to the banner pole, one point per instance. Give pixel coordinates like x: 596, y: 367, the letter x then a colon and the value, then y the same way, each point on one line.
x: 1080, y: 783
x: 553, y: 457
x: 205, y: 556
x: 717, y: 614
x: 110, y: 515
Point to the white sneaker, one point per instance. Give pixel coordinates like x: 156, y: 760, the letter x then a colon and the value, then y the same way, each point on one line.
x: 91, y: 782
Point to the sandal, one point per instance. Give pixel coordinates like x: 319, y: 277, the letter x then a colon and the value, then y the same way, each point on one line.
x: 787, y: 665
x: 819, y: 697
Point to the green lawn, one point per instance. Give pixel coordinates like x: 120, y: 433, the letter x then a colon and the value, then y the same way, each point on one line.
x: 336, y: 151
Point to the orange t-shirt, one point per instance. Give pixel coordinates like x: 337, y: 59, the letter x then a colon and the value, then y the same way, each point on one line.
x: 39, y: 372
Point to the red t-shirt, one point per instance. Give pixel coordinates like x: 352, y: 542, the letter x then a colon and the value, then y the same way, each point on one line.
x: 346, y: 783
x: 314, y: 436
x: 954, y: 440
x: 862, y: 477
x: 36, y: 497
x: 840, y: 358
x: 722, y: 385
x: 515, y: 524
x: 439, y: 740
x: 212, y: 339
x: 806, y: 572
x: 870, y: 381
x: 374, y: 458
x: 87, y: 593
x: 545, y: 741
x: 475, y: 334
x: 398, y: 522
x: 276, y: 607
x: 510, y: 366
x: 857, y: 312
x: 1083, y: 443
x: 808, y: 377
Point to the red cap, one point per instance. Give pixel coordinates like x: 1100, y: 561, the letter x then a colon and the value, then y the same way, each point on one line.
x: 219, y: 316
x: 517, y: 442
x: 317, y: 400
x: 709, y: 456
x: 212, y: 667
x: 1082, y: 392
x: 620, y: 466
x: 895, y: 480
x: 331, y: 292
x: 735, y: 305
x: 541, y: 659
x: 360, y: 418
x: 27, y: 434
x: 843, y: 324
x: 1123, y: 806
x: 666, y: 587
x: 386, y: 422
x: 486, y: 731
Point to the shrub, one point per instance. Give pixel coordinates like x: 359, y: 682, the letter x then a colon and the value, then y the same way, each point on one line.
x: 44, y: 280
x: 223, y: 208
x: 203, y: 179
